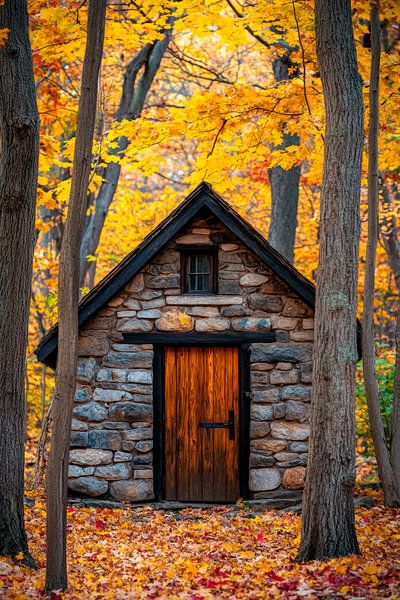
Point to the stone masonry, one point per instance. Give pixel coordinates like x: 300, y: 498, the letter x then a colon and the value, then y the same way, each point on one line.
x: 112, y: 440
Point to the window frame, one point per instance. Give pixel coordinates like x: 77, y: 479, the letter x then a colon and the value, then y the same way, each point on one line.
x: 189, y: 251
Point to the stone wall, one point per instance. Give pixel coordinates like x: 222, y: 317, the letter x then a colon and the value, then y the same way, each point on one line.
x: 112, y: 440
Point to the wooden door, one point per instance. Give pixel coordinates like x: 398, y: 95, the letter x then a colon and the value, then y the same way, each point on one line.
x: 202, y: 424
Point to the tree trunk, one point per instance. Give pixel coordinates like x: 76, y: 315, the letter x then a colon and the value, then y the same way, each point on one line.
x: 132, y: 101
x: 396, y: 406
x: 386, y: 474
x: 68, y: 296
x: 19, y: 141
x: 284, y: 183
x: 328, y: 528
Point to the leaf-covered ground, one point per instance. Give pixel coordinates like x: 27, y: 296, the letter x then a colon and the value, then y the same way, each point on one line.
x: 198, y: 554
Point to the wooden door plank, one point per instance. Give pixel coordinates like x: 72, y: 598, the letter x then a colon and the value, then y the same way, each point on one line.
x: 207, y: 435
x: 183, y: 389
x: 221, y: 436
x: 232, y: 488
x: 195, y: 366
x: 170, y: 423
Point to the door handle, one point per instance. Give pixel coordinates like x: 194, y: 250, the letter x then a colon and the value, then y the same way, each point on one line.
x: 230, y: 424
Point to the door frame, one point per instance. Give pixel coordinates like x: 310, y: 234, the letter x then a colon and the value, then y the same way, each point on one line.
x: 159, y: 410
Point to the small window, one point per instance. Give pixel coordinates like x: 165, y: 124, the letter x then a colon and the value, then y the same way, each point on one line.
x: 198, y: 272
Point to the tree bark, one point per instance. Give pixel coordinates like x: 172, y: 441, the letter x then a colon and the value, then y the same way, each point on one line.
x: 396, y: 406
x: 284, y: 183
x: 386, y: 473
x: 19, y: 141
x: 68, y: 297
x: 328, y: 528
x: 132, y: 101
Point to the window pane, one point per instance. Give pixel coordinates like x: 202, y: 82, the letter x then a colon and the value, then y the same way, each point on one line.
x: 198, y: 273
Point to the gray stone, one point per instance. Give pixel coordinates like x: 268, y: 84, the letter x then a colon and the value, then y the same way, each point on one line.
x: 103, y: 375
x: 174, y: 319
x: 143, y: 459
x: 190, y: 300
x: 229, y: 276
x: 144, y: 446
x: 130, y: 360
x: 252, y: 280
x: 128, y: 411
x: 119, y: 375
x: 151, y: 313
x: 212, y: 324
x: 228, y: 287
x: 290, y: 430
x: 91, y: 486
x: 134, y: 435
x: 259, y: 377
x: 85, y: 369
x: 79, y: 439
x: 284, y: 377
x: 296, y: 392
x: 115, y: 472
x: 297, y: 411
x: 123, y: 314
x: 114, y: 426
x: 264, y: 479
x: 299, y: 447
x: 163, y: 281
x: 83, y: 394
x: 75, y: 471
x: 89, y: 456
x: 135, y: 325
x: 279, y: 352
x: 279, y: 410
x: 251, y: 324
x: 228, y: 257
x: 108, y: 440
x: 90, y: 412
x: 132, y: 304
x: 155, y: 303
x: 235, y: 311
x: 204, y: 311
x: 148, y: 295
x: 78, y: 425
x: 260, y: 396
x: 262, y: 413
x: 122, y: 457
x: 140, y: 376
x: 102, y: 395
x: 286, y: 456
x: 132, y: 490
x: 266, y: 303
x: 306, y: 372
x: 259, y: 429
x: 258, y: 460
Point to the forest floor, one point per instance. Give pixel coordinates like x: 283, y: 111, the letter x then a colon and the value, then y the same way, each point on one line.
x: 197, y: 554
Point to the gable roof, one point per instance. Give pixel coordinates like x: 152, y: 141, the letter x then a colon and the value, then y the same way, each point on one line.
x: 202, y: 197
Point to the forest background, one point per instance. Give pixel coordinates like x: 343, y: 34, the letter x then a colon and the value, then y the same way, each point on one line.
x: 212, y: 90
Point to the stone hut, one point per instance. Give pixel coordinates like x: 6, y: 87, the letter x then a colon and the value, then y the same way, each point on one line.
x: 194, y: 373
